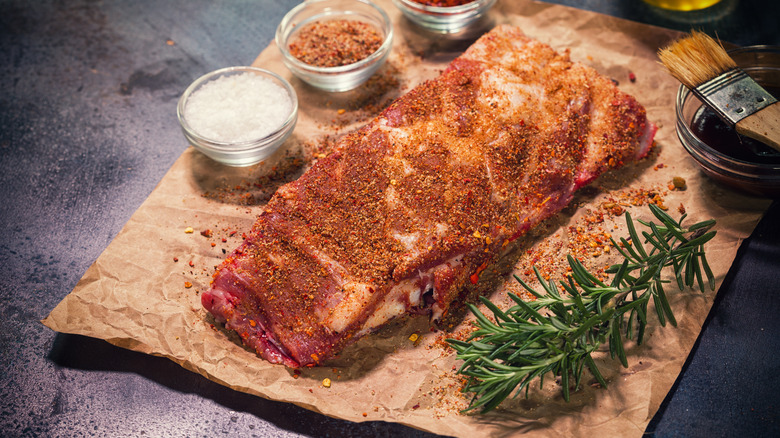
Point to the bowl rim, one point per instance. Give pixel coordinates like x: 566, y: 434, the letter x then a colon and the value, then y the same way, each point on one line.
x: 684, y: 132
x: 241, y: 146
x: 282, y: 35
x: 444, y: 10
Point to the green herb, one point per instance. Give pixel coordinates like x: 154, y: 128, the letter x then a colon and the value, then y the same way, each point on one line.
x: 558, y: 332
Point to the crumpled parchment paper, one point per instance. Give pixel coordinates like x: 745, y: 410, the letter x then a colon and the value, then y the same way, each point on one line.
x: 143, y: 292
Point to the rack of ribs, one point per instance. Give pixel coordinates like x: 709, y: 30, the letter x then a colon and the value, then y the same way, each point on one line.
x: 417, y: 203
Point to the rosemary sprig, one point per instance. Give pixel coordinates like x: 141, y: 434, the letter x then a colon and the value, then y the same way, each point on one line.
x: 558, y: 332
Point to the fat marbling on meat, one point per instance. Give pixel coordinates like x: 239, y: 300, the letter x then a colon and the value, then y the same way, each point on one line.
x: 417, y: 203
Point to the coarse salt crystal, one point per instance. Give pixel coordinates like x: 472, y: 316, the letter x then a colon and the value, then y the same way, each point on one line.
x: 238, y: 108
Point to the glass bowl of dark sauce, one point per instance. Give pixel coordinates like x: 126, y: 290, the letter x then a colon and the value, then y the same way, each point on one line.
x: 725, y: 156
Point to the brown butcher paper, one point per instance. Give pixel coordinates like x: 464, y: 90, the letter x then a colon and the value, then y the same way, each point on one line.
x: 143, y: 292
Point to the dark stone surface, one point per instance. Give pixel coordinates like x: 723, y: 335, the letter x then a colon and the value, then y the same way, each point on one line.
x: 740, y: 22
x: 730, y: 383
x: 88, y: 128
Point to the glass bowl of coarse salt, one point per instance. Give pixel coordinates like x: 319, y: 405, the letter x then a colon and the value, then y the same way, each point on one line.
x: 335, y: 45
x: 238, y: 116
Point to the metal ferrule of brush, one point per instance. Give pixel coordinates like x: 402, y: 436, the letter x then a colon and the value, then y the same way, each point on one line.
x: 734, y: 95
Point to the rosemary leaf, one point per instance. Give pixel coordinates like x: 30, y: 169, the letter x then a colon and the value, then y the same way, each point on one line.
x: 557, y: 332
x: 635, y: 237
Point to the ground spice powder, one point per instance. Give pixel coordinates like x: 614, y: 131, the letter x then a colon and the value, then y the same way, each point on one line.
x: 335, y: 42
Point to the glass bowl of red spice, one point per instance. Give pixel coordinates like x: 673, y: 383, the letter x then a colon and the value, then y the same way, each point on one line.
x: 444, y: 16
x: 335, y: 45
x: 725, y: 156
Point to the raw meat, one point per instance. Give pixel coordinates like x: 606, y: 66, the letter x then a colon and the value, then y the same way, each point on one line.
x: 417, y: 203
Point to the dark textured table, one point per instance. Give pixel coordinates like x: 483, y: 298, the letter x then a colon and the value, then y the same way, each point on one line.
x: 87, y: 110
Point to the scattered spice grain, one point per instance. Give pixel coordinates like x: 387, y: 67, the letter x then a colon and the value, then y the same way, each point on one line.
x: 335, y: 42
x: 678, y: 183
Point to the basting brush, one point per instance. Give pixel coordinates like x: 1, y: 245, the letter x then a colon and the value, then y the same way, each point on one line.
x: 703, y: 65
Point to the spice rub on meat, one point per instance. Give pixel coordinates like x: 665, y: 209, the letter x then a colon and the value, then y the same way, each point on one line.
x: 417, y: 203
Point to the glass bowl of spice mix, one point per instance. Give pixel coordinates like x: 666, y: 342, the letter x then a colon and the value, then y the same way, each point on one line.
x: 444, y: 16
x: 335, y: 45
x: 238, y: 116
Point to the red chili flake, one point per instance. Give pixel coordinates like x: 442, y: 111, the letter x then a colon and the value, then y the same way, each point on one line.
x: 175, y: 259
x: 232, y: 233
x: 417, y: 406
x: 206, y: 233
x: 631, y: 76
x: 475, y: 276
x: 187, y: 284
x: 192, y: 265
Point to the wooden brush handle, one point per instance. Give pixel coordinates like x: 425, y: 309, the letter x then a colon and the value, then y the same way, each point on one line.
x: 763, y: 125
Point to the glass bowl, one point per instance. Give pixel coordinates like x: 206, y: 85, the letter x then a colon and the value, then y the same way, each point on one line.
x: 748, y: 167
x: 343, y: 77
x: 238, y: 116
x: 444, y: 19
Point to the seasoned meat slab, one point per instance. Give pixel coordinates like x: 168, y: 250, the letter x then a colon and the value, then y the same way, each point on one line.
x: 417, y: 203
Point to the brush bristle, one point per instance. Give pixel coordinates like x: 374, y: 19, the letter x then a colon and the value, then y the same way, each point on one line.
x: 696, y: 59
